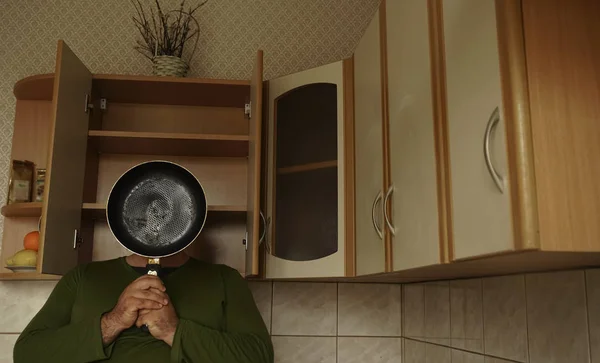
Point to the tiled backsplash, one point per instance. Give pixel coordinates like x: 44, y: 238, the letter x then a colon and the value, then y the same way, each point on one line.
x: 533, y: 318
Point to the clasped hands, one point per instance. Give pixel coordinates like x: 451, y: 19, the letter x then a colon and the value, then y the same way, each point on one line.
x: 145, y: 302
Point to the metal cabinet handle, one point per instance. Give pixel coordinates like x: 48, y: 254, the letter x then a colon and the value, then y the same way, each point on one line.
x: 389, y: 192
x: 264, y: 233
x: 264, y: 223
x: 491, y: 125
x: 375, y: 204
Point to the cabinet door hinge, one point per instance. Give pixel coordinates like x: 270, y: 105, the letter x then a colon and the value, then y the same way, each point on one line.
x: 77, y: 239
x: 88, y: 104
x: 248, y: 109
x: 245, y: 242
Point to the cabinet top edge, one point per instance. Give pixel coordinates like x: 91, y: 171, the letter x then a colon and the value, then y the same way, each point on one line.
x: 39, y: 87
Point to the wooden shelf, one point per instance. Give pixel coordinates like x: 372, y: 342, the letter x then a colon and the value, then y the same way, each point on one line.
x: 154, y: 143
x: 27, y: 276
x: 38, y: 87
x: 147, y: 89
x: 307, y: 167
x: 98, y: 210
x: 172, y: 90
x: 33, y: 209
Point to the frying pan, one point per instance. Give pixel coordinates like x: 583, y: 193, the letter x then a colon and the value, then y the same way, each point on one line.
x: 155, y: 210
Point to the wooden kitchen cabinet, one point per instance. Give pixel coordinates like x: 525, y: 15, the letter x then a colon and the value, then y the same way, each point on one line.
x: 521, y: 85
x: 85, y: 147
x: 411, y: 197
x: 307, y: 183
x: 487, y: 138
x: 369, y: 152
x: 476, y: 120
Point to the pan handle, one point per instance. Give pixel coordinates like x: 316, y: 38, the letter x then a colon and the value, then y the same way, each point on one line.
x: 153, y: 267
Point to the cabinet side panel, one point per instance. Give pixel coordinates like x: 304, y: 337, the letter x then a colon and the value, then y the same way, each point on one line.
x: 562, y: 42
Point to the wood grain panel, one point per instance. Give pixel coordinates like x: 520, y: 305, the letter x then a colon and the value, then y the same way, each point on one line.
x: 368, y: 154
x: 31, y: 133
x: 440, y: 119
x: 33, y: 209
x: 154, y: 143
x: 172, y: 90
x: 63, y: 193
x: 223, y: 179
x: 174, y: 119
x: 349, y: 169
x: 563, y: 66
x: 38, y: 87
x: 515, y: 98
x: 253, y: 204
x: 385, y: 114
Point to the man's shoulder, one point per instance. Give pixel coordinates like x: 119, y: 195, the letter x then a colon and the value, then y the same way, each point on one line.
x: 214, y: 268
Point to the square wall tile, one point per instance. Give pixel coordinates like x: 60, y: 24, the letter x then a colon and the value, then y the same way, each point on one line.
x: 369, y: 309
x: 459, y: 356
x: 495, y: 360
x: 466, y: 315
x: 7, y: 342
x: 437, y: 310
x: 304, y: 349
x: 557, y: 317
x: 262, y: 291
x: 427, y: 312
x: 593, y: 304
x: 304, y: 308
x: 505, y: 317
x: 420, y: 352
x: 413, y: 310
x: 20, y: 301
x: 369, y: 350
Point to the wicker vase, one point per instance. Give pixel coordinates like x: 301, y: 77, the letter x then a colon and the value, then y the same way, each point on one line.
x: 166, y: 65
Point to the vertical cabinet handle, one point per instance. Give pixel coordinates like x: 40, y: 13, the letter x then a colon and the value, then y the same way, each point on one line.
x: 388, y: 194
x: 376, y: 202
x: 491, y: 125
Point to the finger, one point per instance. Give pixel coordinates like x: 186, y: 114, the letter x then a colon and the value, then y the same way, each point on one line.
x: 147, y: 304
x: 144, y: 311
x: 147, y: 281
x: 158, y: 297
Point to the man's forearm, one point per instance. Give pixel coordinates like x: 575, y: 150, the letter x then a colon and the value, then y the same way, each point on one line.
x: 110, y: 329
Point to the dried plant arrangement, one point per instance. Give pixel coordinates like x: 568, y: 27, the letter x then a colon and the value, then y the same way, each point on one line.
x: 165, y: 34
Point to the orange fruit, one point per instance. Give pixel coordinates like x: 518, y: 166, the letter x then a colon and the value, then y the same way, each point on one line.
x: 32, y: 241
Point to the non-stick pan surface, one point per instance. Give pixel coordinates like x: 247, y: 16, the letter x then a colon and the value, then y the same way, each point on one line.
x: 156, y: 209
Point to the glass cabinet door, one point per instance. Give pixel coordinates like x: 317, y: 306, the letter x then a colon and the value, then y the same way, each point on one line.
x: 306, y: 176
x: 305, y: 183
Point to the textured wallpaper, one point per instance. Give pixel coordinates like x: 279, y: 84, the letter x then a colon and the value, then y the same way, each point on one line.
x: 294, y: 34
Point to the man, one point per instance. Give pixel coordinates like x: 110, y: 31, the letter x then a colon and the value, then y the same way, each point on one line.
x: 196, y: 312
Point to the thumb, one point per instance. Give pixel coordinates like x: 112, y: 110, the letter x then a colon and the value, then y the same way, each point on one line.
x: 141, y: 320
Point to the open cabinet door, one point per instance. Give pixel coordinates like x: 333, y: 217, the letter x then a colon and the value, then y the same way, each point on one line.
x: 309, y: 154
x: 253, y: 238
x: 61, y: 212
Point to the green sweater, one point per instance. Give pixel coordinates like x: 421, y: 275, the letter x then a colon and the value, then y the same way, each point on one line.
x: 218, y: 319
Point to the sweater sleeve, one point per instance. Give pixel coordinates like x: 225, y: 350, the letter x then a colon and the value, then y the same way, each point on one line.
x: 244, y: 339
x: 51, y: 336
